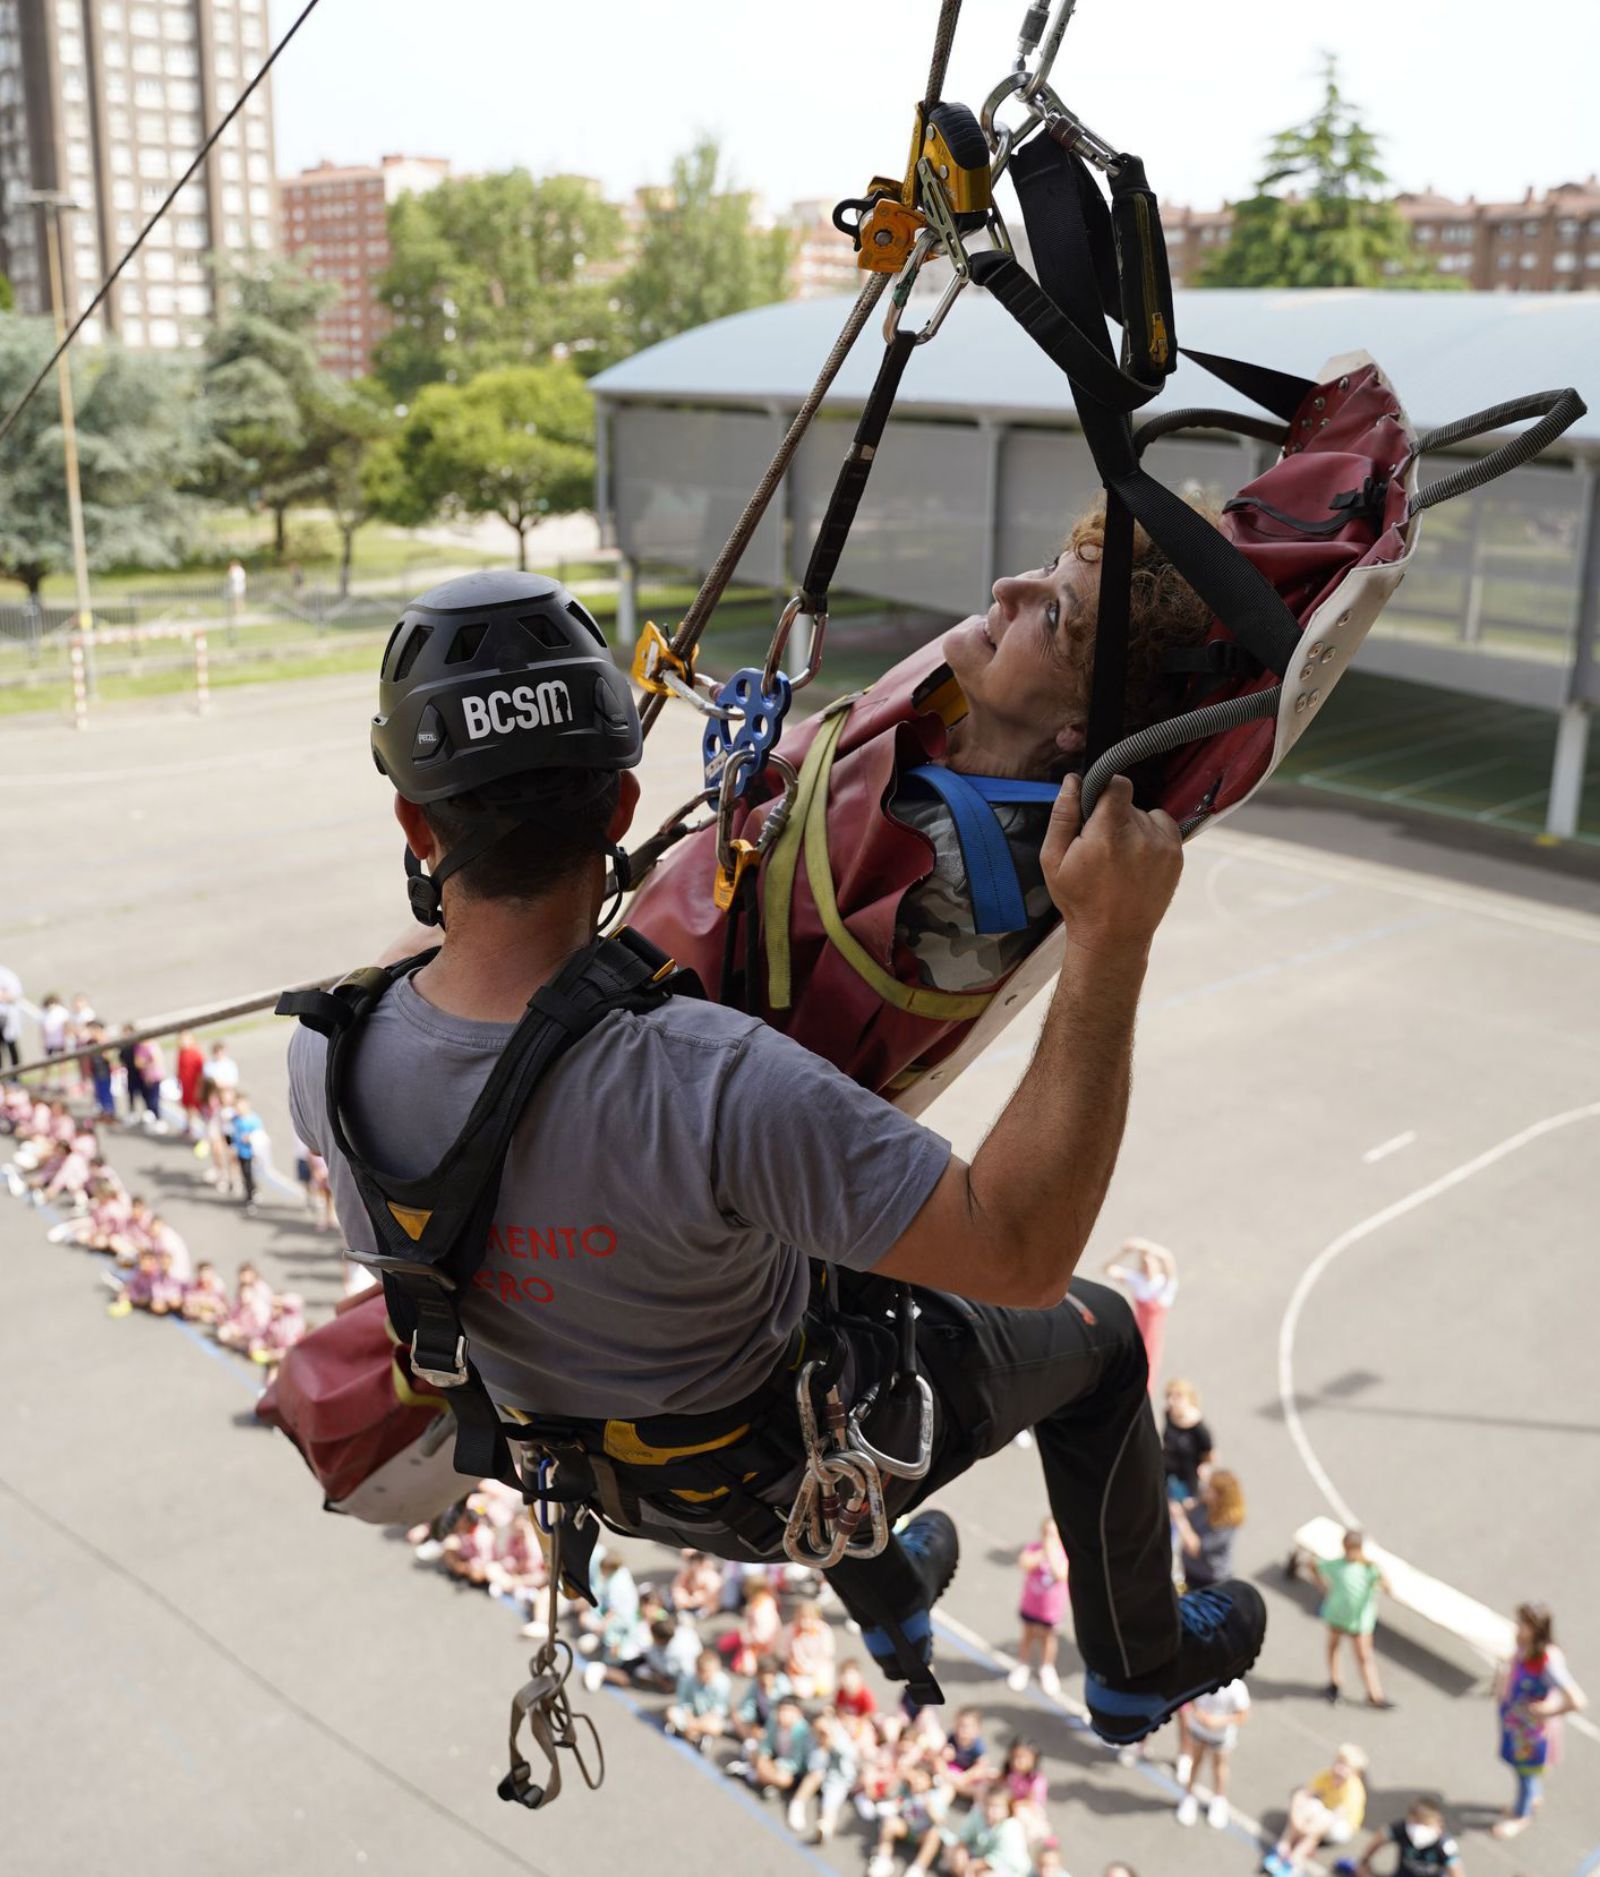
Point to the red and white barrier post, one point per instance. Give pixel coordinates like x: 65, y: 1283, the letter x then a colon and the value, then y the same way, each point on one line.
x: 80, y: 683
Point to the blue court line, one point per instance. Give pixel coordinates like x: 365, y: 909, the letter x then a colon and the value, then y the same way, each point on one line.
x: 1589, y: 1864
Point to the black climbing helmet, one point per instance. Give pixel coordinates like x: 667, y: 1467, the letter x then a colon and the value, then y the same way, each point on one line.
x: 492, y: 676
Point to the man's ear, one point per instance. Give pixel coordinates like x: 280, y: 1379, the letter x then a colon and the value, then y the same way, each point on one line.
x: 1072, y: 739
x: 627, y: 805
x: 414, y: 825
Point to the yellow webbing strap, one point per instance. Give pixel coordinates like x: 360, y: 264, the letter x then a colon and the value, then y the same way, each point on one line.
x: 808, y: 832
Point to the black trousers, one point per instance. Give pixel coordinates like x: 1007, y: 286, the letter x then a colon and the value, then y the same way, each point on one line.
x: 1077, y: 1376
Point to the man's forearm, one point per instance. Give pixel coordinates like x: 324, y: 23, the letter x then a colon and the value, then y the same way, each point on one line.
x: 1037, y: 1183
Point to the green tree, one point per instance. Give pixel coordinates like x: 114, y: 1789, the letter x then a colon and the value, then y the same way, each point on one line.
x: 489, y: 271
x: 1319, y: 217
x: 517, y: 443
x: 345, y: 427
x: 700, y: 254
x: 262, y: 389
x: 139, y: 443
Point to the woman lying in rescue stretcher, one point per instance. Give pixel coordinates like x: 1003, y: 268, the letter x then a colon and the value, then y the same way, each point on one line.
x: 1003, y: 696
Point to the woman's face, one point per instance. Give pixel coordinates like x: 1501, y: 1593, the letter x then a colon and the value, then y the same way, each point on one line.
x: 1024, y: 665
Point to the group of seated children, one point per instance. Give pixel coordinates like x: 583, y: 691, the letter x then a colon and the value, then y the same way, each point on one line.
x: 57, y: 1160
x: 803, y: 1727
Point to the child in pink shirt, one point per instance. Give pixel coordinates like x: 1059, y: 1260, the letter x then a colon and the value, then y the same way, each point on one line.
x: 285, y: 1326
x: 251, y: 1312
x: 1042, y: 1608
x: 206, y: 1299
x: 809, y: 1661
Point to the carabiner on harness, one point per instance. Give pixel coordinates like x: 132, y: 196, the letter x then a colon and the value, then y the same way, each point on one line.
x: 735, y: 857
x: 840, y: 1488
x: 542, y: 1701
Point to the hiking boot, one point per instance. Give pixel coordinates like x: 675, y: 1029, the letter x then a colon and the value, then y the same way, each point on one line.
x: 933, y: 1549
x: 1223, y: 1629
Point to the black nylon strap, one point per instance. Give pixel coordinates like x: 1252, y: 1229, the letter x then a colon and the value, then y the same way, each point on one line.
x: 840, y: 514
x: 1109, y: 679
x: 1241, y: 597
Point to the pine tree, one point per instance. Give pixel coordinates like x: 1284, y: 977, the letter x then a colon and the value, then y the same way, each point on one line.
x: 1319, y: 217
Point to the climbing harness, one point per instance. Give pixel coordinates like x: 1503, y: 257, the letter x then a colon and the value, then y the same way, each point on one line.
x: 432, y: 1238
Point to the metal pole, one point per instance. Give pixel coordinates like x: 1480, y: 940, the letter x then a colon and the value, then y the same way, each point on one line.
x: 1567, y: 771
x: 53, y: 207
x: 627, y: 603
x: 1568, y: 768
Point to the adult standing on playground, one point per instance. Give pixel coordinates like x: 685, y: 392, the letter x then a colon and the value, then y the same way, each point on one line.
x: 1533, y: 1690
x: 1149, y: 1274
x: 728, y: 1156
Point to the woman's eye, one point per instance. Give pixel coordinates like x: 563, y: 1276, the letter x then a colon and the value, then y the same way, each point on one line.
x: 1052, y: 615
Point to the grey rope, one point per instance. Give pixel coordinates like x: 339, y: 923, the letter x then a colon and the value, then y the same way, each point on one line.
x: 943, y: 40
x: 1263, y: 429
x: 716, y: 581
x: 1556, y: 410
x: 1157, y: 738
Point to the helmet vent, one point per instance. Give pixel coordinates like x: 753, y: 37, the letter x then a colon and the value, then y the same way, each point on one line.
x: 587, y: 623
x: 465, y: 644
x: 411, y: 651
x: 545, y: 633
x: 388, y: 650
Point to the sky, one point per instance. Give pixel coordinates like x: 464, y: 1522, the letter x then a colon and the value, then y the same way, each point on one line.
x: 810, y: 99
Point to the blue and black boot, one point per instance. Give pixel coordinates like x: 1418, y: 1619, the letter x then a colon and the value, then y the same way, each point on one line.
x: 892, y: 1598
x: 1223, y: 1627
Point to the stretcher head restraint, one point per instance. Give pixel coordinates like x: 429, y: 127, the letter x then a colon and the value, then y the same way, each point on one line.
x: 487, y: 681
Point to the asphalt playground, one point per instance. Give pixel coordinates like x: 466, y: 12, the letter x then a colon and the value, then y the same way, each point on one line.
x: 1366, y: 1118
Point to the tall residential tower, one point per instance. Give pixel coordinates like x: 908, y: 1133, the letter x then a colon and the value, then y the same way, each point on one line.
x: 104, y: 103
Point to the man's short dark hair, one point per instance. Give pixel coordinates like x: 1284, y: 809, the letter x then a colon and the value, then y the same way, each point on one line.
x: 562, y: 817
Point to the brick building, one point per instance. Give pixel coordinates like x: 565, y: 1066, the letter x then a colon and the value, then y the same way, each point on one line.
x: 335, y: 225
x: 104, y: 104
x: 1547, y: 243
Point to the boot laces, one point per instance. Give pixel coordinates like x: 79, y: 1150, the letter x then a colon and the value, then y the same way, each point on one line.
x: 1204, y: 1612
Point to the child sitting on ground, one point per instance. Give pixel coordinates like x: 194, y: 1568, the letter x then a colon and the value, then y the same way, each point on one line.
x: 810, y: 1652
x: 916, y: 1816
x: 830, y: 1771
x: 205, y: 1300
x: 251, y: 1312
x: 703, y: 1708
x: 286, y: 1325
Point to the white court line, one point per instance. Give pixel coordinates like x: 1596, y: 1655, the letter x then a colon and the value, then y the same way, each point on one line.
x: 1457, y: 1176
x: 1392, y: 879
x: 1474, y: 728
x: 1384, y: 1148
x: 1517, y: 801
x: 1444, y: 775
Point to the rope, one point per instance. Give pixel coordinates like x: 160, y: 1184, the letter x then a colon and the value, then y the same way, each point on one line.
x: 1158, y: 738
x: 201, y: 1019
x: 111, y: 279
x: 943, y: 40
x: 716, y: 581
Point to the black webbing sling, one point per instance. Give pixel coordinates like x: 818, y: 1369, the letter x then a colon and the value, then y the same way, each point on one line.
x: 432, y: 1232
x: 1096, y: 261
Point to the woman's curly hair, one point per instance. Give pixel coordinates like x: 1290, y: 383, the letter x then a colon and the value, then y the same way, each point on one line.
x: 1165, y: 614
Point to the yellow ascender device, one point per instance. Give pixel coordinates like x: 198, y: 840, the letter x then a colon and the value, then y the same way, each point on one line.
x: 949, y: 152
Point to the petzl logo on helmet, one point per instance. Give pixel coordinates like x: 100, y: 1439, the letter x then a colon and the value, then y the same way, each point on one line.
x: 528, y: 707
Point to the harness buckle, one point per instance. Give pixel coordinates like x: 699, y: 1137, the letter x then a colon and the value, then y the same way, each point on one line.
x: 441, y: 1378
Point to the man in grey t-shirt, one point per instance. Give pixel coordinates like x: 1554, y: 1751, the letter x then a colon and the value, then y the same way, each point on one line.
x: 675, y: 1171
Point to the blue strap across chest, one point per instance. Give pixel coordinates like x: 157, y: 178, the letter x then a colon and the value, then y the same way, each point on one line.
x: 997, y: 903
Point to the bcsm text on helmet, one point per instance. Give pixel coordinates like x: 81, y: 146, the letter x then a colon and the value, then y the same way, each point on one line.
x: 527, y: 707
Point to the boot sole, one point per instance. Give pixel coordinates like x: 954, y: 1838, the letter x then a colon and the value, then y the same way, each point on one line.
x: 955, y: 1562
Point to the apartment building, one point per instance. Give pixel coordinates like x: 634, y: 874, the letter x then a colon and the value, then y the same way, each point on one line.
x: 103, y: 104
x: 1546, y: 243
x: 335, y: 225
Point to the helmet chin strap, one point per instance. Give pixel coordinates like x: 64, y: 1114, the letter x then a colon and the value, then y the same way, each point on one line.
x: 426, y: 890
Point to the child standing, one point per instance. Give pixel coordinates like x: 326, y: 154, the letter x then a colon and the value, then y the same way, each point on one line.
x: 1044, y: 1603
x: 1350, y: 1610
x: 1150, y: 1275
x: 1533, y: 1691
x: 1209, y: 1725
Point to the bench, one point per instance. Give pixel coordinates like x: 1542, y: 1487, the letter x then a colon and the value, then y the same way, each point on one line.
x: 1484, y: 1631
